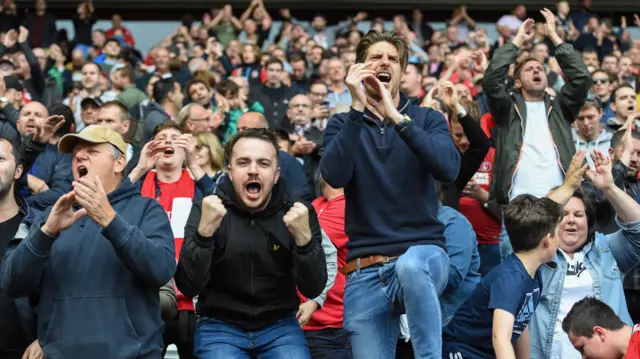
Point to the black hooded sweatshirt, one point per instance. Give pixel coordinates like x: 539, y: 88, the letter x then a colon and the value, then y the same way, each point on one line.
x: 246, y: 274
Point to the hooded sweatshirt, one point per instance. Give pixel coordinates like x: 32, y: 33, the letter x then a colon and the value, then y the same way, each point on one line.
x: 98, y: 287
x: 602, y: 143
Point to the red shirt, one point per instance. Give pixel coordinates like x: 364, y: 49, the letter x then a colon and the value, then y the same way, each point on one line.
x: 486, y: 226
x: 331, y: 218
x: 633, y: 350
x: 176, y: 198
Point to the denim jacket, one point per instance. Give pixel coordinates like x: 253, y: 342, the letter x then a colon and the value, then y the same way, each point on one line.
x: 464, y: 261
x: 608, y: 258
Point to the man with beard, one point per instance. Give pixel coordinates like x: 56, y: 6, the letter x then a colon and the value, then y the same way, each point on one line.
x: 17, y: 328
x: 106, y: 304
x: 250, y: 231
x: 534, y: 129
x: 603, y: 86
x: 396, y: 261
x: 50, y: 176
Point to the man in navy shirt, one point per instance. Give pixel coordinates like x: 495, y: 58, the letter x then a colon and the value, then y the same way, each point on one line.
x: 387, y: 155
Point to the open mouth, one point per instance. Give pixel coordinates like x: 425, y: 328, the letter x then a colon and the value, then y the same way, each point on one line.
x: 169, y: 151
x: 631, y: 108
x: 384, y: 77
x: 82, y: 171
x: 537, y: 79
x: 253, y: 189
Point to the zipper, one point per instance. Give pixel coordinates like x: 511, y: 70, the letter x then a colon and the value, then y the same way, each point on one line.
x: 252, y: 223
x: 513, y: 176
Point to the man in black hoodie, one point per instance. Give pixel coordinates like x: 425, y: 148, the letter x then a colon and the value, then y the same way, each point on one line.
x: 246, y: 249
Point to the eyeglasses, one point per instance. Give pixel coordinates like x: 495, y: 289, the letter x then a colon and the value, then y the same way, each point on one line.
x: 319, y: 94
x: 601, y: 80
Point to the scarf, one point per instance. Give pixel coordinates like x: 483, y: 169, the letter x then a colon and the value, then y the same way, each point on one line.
x: 176, y: 199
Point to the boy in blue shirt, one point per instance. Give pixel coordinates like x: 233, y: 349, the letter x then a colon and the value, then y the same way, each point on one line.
x: 492, y: 323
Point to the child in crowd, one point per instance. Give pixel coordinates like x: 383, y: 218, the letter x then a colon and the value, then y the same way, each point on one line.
x: 492, y: 323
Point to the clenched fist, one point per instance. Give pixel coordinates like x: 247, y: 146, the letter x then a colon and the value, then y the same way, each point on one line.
x: 213, y: 212
x: 297, y: 221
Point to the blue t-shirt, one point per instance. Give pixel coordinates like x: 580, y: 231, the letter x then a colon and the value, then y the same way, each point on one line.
x: 508, y: 287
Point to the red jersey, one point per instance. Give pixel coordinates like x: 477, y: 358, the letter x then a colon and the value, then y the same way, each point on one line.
x: 486, y: 226
x: 176, y: 198
x: 633, y: 350
x: 331, y: 218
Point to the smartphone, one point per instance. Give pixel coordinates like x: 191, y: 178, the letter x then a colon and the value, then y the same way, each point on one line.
x: 325, y: 104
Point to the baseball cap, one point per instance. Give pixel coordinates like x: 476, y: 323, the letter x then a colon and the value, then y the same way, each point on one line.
x: 91, y: 100
x: 95, y: 134
x: 13, y: 83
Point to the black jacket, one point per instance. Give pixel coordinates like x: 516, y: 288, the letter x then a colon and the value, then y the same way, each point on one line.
x: 246, y: 274
x: 274, y: 110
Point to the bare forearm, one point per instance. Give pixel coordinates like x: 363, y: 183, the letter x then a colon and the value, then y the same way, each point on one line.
x: 503, y: 349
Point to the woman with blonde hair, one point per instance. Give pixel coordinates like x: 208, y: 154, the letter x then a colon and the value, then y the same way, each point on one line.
x: 209, y: 154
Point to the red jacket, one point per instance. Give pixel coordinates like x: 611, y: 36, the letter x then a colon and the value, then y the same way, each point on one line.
x: 331, y: 218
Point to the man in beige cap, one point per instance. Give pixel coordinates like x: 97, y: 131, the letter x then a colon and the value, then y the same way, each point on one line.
x: 97, y: 259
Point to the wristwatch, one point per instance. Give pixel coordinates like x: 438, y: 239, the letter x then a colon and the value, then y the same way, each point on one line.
x: 402, y: 124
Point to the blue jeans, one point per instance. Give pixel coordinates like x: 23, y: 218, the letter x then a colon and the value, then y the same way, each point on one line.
x: 489, y: 257
x: 375, y: 297
x: 283, y: 340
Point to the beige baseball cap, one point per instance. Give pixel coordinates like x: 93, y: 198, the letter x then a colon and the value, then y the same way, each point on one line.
x: 95, y: 134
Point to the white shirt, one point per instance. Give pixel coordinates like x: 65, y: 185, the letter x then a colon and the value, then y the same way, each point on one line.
x: 510, y: 21
x: 538, y: 170
x: 578, y: 283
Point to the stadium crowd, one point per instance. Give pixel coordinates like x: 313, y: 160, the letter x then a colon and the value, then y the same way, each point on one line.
x: 321, y: 193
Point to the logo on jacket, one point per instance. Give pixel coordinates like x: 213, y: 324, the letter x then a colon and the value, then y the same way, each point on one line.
x: 485, y: 166
x: 276, y: 247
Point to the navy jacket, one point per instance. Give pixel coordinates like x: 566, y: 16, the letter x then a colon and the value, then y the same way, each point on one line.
x: 98, y: 287
x: 23, y: 333
x: 389, y: 178
x: 54, y: 168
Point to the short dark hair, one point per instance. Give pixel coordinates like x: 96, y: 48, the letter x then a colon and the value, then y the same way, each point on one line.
x: 15, y: 150
x: 62, y: 110
x: 111, y: 39
x: 520, y: 65
x: 529, y: 219
x: 588, y: 313
x: 196, y: 80
x: 614, y: 94
x: 165, y: 126
x: 616, y: 139
x: 373, y: 37
x: 227, y: 86
x: 163, y: 88
x: 258, y: 133
x: 297, y: 57
x: 274, y: 60
x: 419, y: 67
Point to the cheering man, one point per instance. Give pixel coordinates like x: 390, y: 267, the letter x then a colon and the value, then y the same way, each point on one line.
x: 380, y: 150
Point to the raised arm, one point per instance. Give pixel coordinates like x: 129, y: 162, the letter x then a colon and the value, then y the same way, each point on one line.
x: 309, y: 258
x: 574, y: 93
x: 342, y: 135
x: 200, y: 234
x: 495, y: 78
x: 572, y: 180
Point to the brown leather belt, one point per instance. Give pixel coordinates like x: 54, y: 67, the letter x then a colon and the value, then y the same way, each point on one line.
x: 364, y: 263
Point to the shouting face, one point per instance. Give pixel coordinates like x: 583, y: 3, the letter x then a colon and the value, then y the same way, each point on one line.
x: 253, y: 170
x: 385, y: 60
